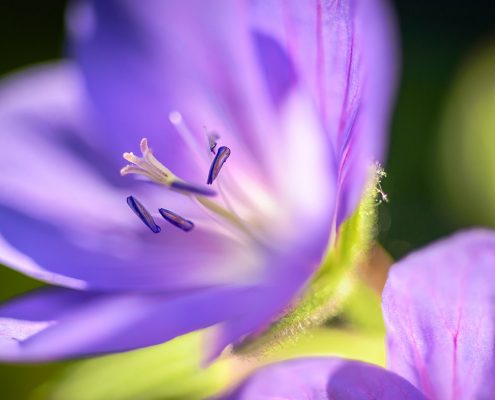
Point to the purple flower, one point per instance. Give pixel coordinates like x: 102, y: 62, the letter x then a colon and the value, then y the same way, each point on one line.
x: 295, y: 94
x: 439, y: 308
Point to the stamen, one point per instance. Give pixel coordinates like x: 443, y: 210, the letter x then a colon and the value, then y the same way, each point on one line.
x: 176, y: 220
x: 151, y: 168
x: 188, y: 187
x: 143, y: 214
x: 212, y: 141
x: 222, y: 154
x: 147, y: 165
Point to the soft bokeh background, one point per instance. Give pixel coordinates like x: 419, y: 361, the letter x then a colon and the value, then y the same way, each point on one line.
x: 443, y: 137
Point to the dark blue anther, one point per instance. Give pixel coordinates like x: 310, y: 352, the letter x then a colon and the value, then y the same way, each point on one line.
x: 192, y: 188
x: 212, y: 141
x: 176, y: 220
x: 143, y: 214
x: 222, y: 154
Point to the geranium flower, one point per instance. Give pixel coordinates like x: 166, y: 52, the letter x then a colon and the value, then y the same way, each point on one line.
x: 264, y: 118
x: 439, y: 308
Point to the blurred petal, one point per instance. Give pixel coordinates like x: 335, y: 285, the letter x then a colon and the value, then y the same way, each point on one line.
x: 123, y: 258
x: 51, y: 164
x: 345, y: 54
x: 325, y: 378
x: 439, y: 306
x: 59, y: 323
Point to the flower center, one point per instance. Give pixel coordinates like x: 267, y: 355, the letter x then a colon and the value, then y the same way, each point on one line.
x: 147, y: 165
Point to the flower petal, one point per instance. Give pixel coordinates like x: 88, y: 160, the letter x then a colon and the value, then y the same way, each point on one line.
x: 325, y: 378
x: 439, y: 309
x: 345, y: 53
x: 50, y: 155
x: 123, y: 259
x: 59, y: 323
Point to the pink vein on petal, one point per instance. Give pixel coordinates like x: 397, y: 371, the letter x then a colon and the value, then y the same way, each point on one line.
x: 320, y: 60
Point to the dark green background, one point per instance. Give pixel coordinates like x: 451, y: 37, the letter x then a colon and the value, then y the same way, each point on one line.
x: 436, y: 37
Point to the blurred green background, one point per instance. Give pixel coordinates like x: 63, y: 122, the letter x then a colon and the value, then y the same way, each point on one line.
x: 438, y: 38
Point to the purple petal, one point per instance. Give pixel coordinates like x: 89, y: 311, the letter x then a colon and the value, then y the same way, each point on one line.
x: 325, y: 378
x: 122, y: 259
x: 62, y: 323
x: 345, y: 53
x: 439, y: 307
x: 51, y: 163
x: 58, y: 323
x: 278, y: 68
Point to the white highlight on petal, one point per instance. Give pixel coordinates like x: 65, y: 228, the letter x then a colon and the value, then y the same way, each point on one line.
x: 307, y: 176
x: 20, y: 330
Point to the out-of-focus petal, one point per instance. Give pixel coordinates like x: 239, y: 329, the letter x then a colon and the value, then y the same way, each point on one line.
x: 439, y: 307
x: 63, y: 214
x: 123, y: 258
x: 325, y: 378
x: 62, y: 323
x: 51, y: 165
x: 59, y: 323
x: 345, y: 54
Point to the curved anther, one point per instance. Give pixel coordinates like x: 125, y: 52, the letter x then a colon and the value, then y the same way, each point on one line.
x: 222, y: 154
x: 143, y: 214
x: 176, y: 220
